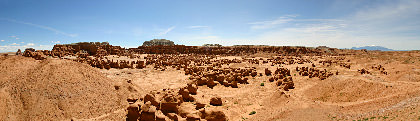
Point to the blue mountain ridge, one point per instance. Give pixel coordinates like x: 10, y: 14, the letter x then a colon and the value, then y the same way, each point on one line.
x: 373, y: 48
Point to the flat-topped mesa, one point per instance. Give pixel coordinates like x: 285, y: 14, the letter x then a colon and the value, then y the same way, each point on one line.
x: 91, y: 48
x: 158, y: 42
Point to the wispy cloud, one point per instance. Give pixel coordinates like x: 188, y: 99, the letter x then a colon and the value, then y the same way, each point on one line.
x: 286, y: 19
x: 272, y: 23
x: 14, y: 44
x: 388, y: 17
x: 389, y: 10
x: 391, y: 24
x: 2, y: 40
x: 320, y: 27
x: 14, y: 48
x: 56, y: 42
x: 197, y: 27
x: 166, y: 31
x: 41, y: 27
x: 15, y: 37
x: 307, y: 26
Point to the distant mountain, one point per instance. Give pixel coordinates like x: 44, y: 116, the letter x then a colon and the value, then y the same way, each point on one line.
x: 372, y: 48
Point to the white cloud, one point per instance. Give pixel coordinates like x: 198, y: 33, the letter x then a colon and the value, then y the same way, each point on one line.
x: 286, y: 19
x: 10, y: 48
x: 41, y: 27
x: 382, y: 24
x: 22, y: 42
x: 166, y: 31
x: 14, y: 44
x: 13, y: 35
x: 272, y: 23
x: 316, y: 28
x: 198, y: 27
x: 389, y: 11
x: 387, y: 18
x: 2, y: 40
x: 55, y: 42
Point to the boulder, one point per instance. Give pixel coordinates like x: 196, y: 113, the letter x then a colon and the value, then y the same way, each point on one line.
x: 160, y: 116
x: 192, y: 89
x: 173, y: 116
x: 148, y: 112
x: 267, y: 72
x: 216, y: 101
x: 211, y: 84
x: 169, y: 104
x: 271, y: 79
x: 234, y: 84
x: 193, y: 117
x: 254, y: 73
x: 185, y: 95
x: 133, y: 112
x: 201, y: 81
x: 150, y: 98
x: 199, y: 105
x: 215, y: 115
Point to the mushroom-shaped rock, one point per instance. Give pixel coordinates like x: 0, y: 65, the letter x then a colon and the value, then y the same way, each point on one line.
x: 201, y: 81
x: 216, y: 101
x: 192, y: 89
x: 193, y: 117
x: 267, y: 72
x: 185, y: 109
x: 133, y: 112
x: 151, y: 99
x: 169, y: 104
x: 279, y: 82
x: 173, y: 116
x: 271, y: 79
x: 215, y: 115
x: 199, y: 105
x: 211, y: 84
x: 220, y: 78
x: 288, y: 85
x: 254, y: 73
x: 234, y: 84
x: 185, y: 95
x: 225, y: 83
x: 160, y: 116
x: 148, y: 112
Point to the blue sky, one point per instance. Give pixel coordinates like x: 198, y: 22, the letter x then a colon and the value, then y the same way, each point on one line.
x: 335, y: 23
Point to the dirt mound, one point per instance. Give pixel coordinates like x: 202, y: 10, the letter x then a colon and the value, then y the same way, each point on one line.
x: 54, y: 89
x: 346, y: 89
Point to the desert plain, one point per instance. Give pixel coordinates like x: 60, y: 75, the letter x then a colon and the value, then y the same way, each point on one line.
x: 94, y: 81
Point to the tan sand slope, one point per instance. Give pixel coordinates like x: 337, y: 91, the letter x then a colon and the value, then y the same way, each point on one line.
x: 54, y: 89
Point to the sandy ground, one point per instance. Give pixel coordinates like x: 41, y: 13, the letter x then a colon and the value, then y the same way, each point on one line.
x: 346, y: 96
x: 55, y: 89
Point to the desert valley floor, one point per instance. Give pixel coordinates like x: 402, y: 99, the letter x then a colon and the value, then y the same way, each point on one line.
x: 357, y: 85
